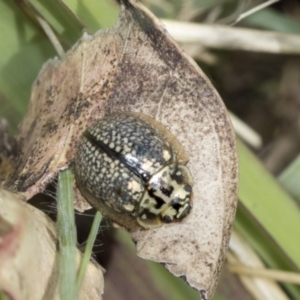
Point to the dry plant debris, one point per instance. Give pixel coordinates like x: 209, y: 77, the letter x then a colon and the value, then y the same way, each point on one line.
x: 136, y: 66
x: 28, y: 254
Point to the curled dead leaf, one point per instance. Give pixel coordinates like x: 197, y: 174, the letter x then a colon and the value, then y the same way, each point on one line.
x: 28, y: 241
x: 136, y: 66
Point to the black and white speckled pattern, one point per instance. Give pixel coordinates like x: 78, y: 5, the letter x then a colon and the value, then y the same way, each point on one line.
x: 139, y: 144
x: 107, y: 178
x: 129, y: 166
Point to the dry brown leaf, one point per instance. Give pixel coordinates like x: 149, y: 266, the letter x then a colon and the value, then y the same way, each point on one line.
x: 28, y: 254
x: 136, y: 66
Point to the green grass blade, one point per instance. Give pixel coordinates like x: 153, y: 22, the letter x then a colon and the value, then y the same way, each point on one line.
x: 246, y: 225
x: 67, y: 236
x: 269, y: 203
x: 63, y: 22
x: 290, y: 179
x: 24, y: 49
x: 3, y: 296
x: 270, y: 19
x: 88, y: 250
x: 267, y: 217
x: 94, y: 14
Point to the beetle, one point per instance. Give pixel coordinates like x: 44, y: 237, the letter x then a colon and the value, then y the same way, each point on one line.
x: 132, y: 169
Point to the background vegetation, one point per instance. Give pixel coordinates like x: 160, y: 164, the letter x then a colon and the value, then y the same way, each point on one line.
x: 260, y: 87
